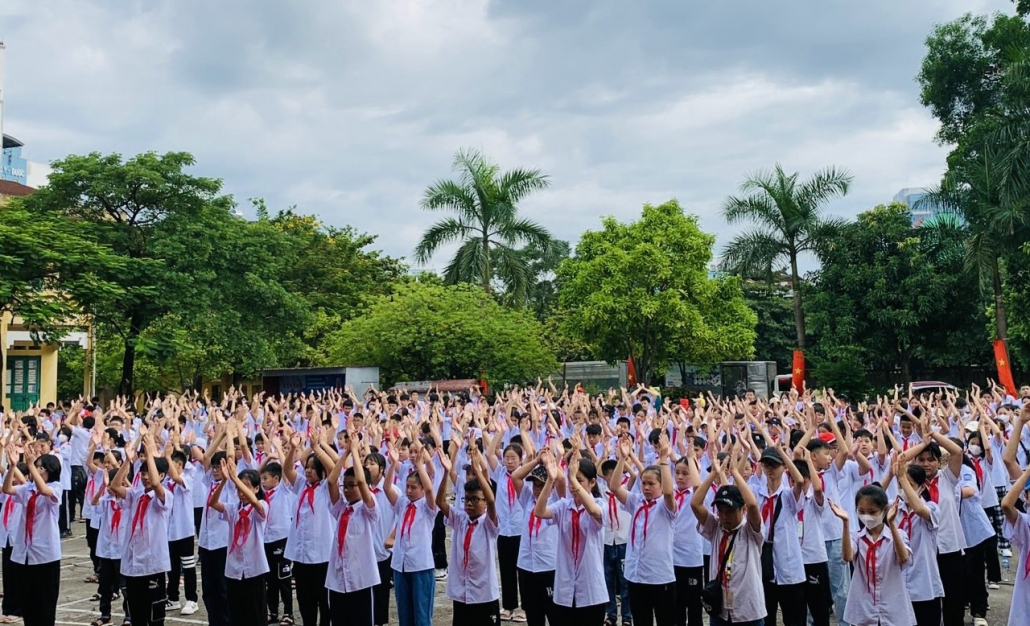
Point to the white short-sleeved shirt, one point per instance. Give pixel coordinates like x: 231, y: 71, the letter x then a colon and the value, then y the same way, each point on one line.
x: 922, y: 576
x: 214, y: 531
x: 11, y: 516
x: 510, y: 515
x: 384, y: 523
x: 94, y: 481
x: 788, y: 565
x: 413, y: 535
x: 37, y: 539
x: 538, y: 547
x: 245, y: 557
x: 312, y: 523
x: 579, y: 573
x: 649, y: 551
x: 352, y: 561
x: 279, y: 518
x: 949, y: 529
x: 686, y: 546
x: 617, y: 518
x: 810, y: 529
x: 881, y: 599
x: 1019, y: 535
x: 180, y: 522
x: 472, y: 570
x: 742, y: 592
x: 146, y: 547
x: 976, y: 526
x: 114, y: 524
x: 832, y: 526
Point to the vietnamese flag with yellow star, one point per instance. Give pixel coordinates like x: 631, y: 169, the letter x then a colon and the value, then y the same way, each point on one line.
x: 1001, y: 359
x: 799, y: 370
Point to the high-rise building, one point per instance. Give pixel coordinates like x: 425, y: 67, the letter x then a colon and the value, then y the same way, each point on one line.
x: 921, y: 210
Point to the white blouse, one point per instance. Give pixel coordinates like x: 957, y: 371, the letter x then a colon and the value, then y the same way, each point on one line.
x: 352, y: 562
x: 579, y: 572
x: 245, y: 557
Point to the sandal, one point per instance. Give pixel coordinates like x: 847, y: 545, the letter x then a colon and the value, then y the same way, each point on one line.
x: 95, y: 597
x: 518, y: 616
x: 92, y: 579
x: 505, y: 615
x: 101, y: 621
x: 287, y: 620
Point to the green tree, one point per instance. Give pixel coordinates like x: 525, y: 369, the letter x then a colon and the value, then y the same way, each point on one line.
x: 774, y: 334
x: 130, y: 206
x: 886, y: 293
x: 787, y: 223
x: 642, y: 290
x: 542, y: 262
x: 486, y: 224
x: 428, y: 331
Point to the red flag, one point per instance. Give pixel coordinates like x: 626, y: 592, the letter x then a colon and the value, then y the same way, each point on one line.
x: 631, y: 373
x: 799, y: 370
x: 1001, y: 359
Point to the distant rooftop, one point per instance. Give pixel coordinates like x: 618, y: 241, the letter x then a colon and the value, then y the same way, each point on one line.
x: 11, y: 188
x: 11, y: 142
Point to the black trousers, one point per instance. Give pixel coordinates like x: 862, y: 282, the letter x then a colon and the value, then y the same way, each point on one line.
x: 312, y: 596
x: 79, y: 479
x: 212, y: 586
x: 110, y: 581
x: 12, y: 584
x: 991, y: 561
x: 688, y: 596
x: 439, y: 542
x: 91, y: 540
x: 818, y: 596
x: 928, y: 613
x: 40, y: 588
x: 246, y: 601
x: 952, y: 572
x: 581, y: 615
x: 790, y: 599
x: 538, y: 597
x: 507, y: 562
x: 975, y: 584
x: 180, y: 552
x: 146, y: 599
x: 483, y: 614
x: 277, y: 583
x: 652, y: 604
x: 381, y: 593
x: 198, y: 517
x: 351, y: 609
x: 64, y: 517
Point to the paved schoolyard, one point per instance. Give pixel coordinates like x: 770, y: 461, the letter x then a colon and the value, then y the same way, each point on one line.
x: 76, y: 608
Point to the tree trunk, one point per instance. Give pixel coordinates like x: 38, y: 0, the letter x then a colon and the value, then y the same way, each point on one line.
x: 487, y: 270
x: 799, y: 314
x: 999, y: 302
x: 125, y: 387
x: 906, y: 372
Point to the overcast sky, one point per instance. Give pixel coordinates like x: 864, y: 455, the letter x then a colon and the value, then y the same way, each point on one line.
x: 350, y: 108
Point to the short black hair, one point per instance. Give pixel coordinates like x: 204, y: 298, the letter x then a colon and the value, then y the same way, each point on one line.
x: 272, y: 468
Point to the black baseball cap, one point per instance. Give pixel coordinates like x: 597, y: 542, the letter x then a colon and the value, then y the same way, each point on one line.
x: 771, y: 455
x: 730, y: 496
x: 539, y: 474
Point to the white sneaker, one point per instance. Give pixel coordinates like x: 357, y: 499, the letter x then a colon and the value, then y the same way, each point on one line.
x: 189, y: 608
x: 979, y: 621
x: 993, y: 586
x: 1006, y: 553
x: 441, y: 574
x: 171, y: 605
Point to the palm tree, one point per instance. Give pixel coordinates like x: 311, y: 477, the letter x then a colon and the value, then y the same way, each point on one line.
x: 486, y: 224
x: 787, y: 222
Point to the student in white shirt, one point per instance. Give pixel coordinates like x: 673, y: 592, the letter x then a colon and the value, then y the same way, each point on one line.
x: 277, y: 528
x: 580, y: 595
x: 414, y: 581
x: 918, y: 520
x: 36, y: 546
x: 736, y: 536
x: 245, y: 563
x: 145, y: 559
x: 375, y: 463
x: 616, y: 536
x: 810, y: 535
x: 213, y: 543
x: 783, y: 564
x: 472, y: 572
x: 11, y: 516
x: 512, y: 517
x: 537, y: 550
x: 1017, y: 530
x: 181, y: 531
x: 687, y: 553
x: 306, y: 546
x: 649, y: 566
x: 110, y: 547
x: 352, y: 570
x: 878, y: 595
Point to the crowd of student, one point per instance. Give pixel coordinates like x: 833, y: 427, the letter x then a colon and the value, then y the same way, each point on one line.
x: 565, y: 508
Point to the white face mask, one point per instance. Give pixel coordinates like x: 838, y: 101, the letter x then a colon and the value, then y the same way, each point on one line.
x: 871, y: 521
x: 975, y: 450
x: 62, y: 438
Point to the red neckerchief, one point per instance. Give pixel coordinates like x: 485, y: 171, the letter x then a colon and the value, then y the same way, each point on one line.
x: 116, y: 519
x: 905, y: 447
x: 801, y: 519
x: 309, y: 493
x: 8, y: 505
x: 723, y: 542
x: 577, y: 534
x: 645, y: 508
x: 30, y: 515
x: 979, y: 470
x: 91, y: 486
x: 468, y: 542
x: 870, y: 563
x: 207, y: 503
x: 681, y: 497
x: 1026, y: 566
x: 511, y: 491
x: 241, y: 529
x: 341, y: 530
x: 268, y: 501
x: 931, y: 486
x: 534, y: 524
x: 613, y: 510
x: 171, y: 486
x: 139, y: 517
x: 768, y: 507
x: 906, y: 522
x: 409, y: 519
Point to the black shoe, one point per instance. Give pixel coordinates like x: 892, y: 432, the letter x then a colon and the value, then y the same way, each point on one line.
x: 66, y: 534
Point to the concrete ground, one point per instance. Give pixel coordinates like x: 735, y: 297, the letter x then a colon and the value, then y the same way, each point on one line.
x: 75, y: 607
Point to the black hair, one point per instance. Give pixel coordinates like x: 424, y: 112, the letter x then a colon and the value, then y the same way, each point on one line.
x: 316, y: 464
x: 875, y: 493
x: 52, y: 465
x: 349, y: 473
x: 472, y: 485
x: 254, y: 479
x: 623, y: 420
x: 589, y: 471
x: 608, y: 465
x: 180, y: 456
x: 594, y: 429
x: 116, y: 437
x: 161, y: 465
x: 654, y: 436
x: 862, y: 432
x: 272, y: 468
x: 378, y: 459
x: 218, y: 457
x: 918, y: 477
x: 89, y: 422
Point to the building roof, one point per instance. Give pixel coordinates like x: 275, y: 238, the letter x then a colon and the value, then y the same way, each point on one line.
x: 11, y: 188
x: 11, y: 142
